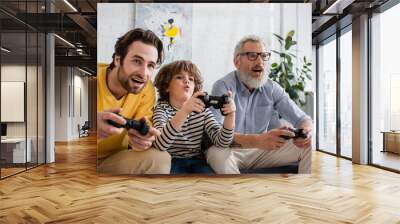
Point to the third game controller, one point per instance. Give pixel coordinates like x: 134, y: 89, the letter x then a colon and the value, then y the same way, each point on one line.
x: 298, y: 133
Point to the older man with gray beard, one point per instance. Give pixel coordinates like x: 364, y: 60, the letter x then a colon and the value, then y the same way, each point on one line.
x: 258, y: 99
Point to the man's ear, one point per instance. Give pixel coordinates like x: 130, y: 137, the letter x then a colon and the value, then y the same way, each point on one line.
x: 117, y: 60
x: 236, y: 61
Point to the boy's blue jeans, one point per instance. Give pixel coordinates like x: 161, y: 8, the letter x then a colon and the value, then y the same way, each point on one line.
x: 191, y: 165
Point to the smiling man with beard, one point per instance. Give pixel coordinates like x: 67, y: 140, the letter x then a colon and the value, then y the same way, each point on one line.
x: 257, y: 100
x: 124, y: 87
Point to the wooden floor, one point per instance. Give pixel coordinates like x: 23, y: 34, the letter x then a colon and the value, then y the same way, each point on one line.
x: 70, y: 191
x: 10, y: 171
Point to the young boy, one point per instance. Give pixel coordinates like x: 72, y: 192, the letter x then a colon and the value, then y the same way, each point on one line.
x: 182, y: 118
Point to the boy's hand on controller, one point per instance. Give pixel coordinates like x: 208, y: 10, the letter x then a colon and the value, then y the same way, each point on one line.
x: 104, y: 129
x: 194, y: 104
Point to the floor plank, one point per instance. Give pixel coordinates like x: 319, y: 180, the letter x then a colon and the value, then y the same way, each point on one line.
x: 70, y: 191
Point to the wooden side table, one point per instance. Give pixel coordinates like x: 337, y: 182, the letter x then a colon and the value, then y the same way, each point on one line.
x: 391, y: 141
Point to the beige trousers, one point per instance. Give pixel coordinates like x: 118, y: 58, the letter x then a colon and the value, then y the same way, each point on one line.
x: 151, y: 161
x: 231, y: 160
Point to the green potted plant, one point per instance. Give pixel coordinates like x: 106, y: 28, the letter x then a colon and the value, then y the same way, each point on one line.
x: 292, y: 78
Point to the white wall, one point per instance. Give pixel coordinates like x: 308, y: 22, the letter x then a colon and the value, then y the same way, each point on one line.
x: 12, y: 73
x: 113, y: 20
x: 216, y: 28
x: 67, y: 115
x: 61, y: 106
x: 33, y: 126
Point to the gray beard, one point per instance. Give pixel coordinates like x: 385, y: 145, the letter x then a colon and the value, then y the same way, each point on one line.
x: 251, y: 82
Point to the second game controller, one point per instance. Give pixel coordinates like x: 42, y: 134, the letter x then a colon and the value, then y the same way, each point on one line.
x: 215, y: 101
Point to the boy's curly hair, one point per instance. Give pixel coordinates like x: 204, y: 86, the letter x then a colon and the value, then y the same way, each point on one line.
x: 165, y: 74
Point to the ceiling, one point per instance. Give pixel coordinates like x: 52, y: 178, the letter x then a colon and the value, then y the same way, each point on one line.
x: 76, y: 21
x: 76, y: 25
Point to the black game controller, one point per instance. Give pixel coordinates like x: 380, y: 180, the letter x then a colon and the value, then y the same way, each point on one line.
x: 217, y: 102
x: 298, y: 133
x: 141, y: 126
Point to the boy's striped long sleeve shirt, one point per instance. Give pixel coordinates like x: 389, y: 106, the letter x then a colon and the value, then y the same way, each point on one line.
x: 187, y: 142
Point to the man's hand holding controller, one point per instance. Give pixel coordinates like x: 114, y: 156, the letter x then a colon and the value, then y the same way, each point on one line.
x: 104, y: 129
x: 141, y: 135
x: 301, y: 137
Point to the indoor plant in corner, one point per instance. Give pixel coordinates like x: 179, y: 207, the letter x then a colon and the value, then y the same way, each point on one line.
x: 292, y: 78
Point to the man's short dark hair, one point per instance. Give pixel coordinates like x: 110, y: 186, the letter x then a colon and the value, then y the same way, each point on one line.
x: 137, y: 34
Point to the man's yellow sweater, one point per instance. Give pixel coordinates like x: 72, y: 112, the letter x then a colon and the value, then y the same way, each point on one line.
x: 133, y: 106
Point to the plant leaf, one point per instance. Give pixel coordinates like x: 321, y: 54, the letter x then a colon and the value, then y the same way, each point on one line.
x: 301, y: 86
x: 276, y: 52
x: 287, y: 71
x: 288, y: 43
x: 293, y: 94
x: 279, y: 37
x: 288, y: 58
